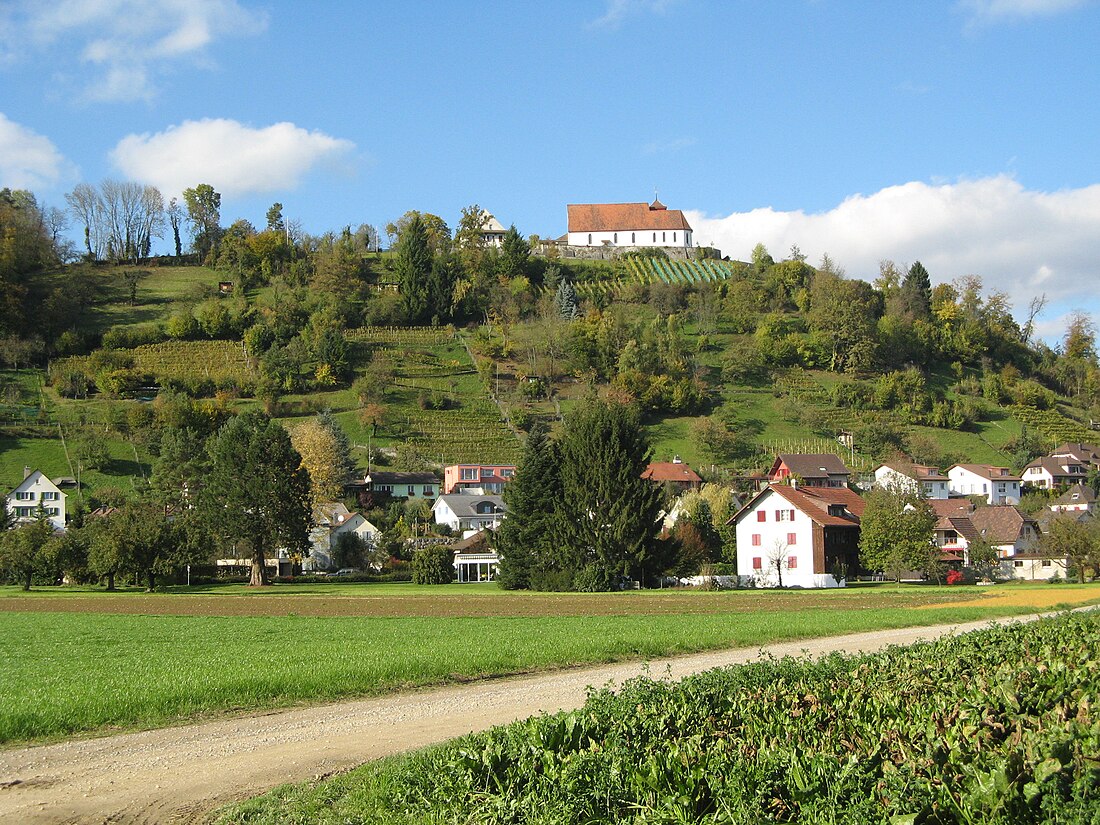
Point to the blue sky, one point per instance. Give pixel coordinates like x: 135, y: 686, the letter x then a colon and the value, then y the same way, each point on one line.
x: 962, y: 133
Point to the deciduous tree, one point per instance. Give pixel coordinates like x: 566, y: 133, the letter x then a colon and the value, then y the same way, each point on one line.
x: 896, y: 532
x: 256, y: 492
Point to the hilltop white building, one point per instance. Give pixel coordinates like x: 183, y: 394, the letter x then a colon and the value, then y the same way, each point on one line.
x: 627, y: 225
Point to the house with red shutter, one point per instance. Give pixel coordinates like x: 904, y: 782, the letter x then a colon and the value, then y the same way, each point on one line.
x: 809, y: 470
x: 806, y: 536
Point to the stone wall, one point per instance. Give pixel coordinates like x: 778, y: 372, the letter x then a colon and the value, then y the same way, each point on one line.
x: 610, y: 253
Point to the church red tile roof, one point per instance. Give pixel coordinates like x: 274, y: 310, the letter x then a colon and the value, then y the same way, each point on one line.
x: 620, y: 217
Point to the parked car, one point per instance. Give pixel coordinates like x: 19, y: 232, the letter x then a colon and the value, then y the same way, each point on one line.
x: 347, y: 571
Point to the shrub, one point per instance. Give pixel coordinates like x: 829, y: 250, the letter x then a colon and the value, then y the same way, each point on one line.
x: 433, y: 565
x: 955, y: 577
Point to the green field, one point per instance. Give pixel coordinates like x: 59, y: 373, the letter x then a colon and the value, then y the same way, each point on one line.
x: 87, y: 661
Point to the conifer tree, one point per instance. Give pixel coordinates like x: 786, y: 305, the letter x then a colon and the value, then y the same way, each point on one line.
x: 566, y: 298
x: 916, y: 292
x: 607, y: 522
x: 413, y: 265
x: 525, y: 538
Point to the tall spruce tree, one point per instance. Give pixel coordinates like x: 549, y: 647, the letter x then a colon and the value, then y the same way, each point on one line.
x: 413, y: 265
x: 607, y: 522
x: 916, y: 292
x: 525, y: 538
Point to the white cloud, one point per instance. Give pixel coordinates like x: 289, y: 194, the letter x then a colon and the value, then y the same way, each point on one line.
x: 993, y: 11
x: 619, y: 10
x: 233, y: 158
x: 1020, y: 241
x: 128, y: 41
x: 29, y: 160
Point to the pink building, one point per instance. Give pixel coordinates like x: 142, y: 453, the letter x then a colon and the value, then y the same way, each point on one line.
x: 486, y: 478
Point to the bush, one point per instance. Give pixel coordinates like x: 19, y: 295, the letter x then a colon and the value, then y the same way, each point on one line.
x: 433, y: 565
x: 133, y: 336
x: 955, y: 577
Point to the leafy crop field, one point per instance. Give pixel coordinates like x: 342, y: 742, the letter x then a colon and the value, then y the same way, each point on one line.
x: 91, y: 661
x: 998, y: 726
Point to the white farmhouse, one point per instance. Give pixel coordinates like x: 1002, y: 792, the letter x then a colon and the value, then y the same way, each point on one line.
x: 332, y: 520
x: 492, y: 231
x: 917, y: 478
x: 627, y: 225
x: 807, y: 535
x: 467, y: 513
x: 36, y: 491
x: 996, y: 484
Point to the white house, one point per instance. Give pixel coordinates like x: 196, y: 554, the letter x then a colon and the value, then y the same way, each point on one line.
x: 627, y: 225
x: 997, y: 485
x: 332, y: 520
x: 492, y: 232
x: 475, y: 560
x: 466, y: 513
x: 1049, y: 472
x: 37, y: 491
x: 917, y: 478
x: 1079, y: 497
x: 807, y: 535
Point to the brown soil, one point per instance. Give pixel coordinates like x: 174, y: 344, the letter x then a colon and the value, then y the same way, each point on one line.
x: 273, y: 603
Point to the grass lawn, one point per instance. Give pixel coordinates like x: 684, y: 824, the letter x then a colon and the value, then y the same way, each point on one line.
x: 76, y: 661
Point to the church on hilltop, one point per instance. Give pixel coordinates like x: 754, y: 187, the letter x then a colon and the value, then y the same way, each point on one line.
x: 627, y: 225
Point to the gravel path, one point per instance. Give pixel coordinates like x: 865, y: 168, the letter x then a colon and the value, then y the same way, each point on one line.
x: 180, y: 774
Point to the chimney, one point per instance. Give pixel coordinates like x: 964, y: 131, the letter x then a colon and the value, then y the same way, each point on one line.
x: 26, y: 471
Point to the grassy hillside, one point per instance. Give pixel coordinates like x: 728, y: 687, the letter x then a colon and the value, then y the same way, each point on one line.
x: 465, y: 395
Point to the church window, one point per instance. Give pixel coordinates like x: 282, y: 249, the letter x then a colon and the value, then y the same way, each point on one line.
x: 632, y: 237
x: 615, y: 238
x: 590, y: 239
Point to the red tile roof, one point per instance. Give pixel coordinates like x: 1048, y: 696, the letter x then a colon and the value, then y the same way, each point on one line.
x: 815, y: 503
x: 917, y: 472
x: 810, y: 465
x: 617, y: 217
x: 671, y: 471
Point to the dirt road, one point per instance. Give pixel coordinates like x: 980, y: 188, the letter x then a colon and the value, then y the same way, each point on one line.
x: 180, y: 774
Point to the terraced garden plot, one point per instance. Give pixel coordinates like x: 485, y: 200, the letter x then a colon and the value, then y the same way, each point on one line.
x: 432, y: 361
x: 1053, y: 424
x: 217, y: 361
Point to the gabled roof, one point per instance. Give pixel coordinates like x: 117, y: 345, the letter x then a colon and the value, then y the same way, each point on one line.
x: 1077, y: 494
x: 671, y: 471
x: 917, y: 472
x: 492, y: 225
x: 951, y: 507
x: 1000, y: 524
x: 36, y: 478
x: 465, y: 505
x: 399, y: 478
x: 1058, y: 467
x: 618, y: 217
x: 814, y: 503
x: 1082, y: 452
x: 987, y: 471
x: 810, y: 465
